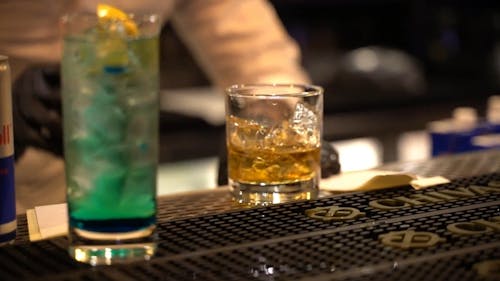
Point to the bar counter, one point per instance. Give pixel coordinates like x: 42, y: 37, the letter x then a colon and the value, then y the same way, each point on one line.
x: 446, y: 232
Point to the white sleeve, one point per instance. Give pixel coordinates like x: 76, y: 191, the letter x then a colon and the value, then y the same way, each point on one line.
x: 238, y: 41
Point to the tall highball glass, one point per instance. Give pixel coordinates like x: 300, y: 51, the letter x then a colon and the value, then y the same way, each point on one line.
x: 110, y: 113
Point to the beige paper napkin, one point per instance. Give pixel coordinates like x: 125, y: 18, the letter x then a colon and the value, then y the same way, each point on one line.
x: 377, y: 179
x: 47, y: 221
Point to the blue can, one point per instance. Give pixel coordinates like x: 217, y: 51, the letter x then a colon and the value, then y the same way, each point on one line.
x: 8, y: 222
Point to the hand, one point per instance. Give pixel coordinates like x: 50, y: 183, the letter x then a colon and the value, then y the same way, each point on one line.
x: 330, y: 162
x: 36, y: 99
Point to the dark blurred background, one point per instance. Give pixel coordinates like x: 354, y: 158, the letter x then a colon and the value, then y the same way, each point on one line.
x: 387, y: 67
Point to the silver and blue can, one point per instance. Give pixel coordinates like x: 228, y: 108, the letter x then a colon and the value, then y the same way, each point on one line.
x: 8, y: 222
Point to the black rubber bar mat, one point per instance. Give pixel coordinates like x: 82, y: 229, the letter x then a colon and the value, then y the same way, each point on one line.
x: 448, y: 232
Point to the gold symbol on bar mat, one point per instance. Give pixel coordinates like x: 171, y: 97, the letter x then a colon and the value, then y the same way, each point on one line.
x: 334, y: 213
x: 410, y: 239
x: 488, y: 269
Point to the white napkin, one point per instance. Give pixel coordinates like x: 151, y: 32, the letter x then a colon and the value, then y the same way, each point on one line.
x: 47, y: 221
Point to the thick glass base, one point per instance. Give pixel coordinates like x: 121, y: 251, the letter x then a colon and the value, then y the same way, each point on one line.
x: 262, y: 195
x: 98, y: 248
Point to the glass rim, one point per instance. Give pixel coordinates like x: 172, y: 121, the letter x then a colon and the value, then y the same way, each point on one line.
x: 302, y: 90
x: 76, y: 24
x: 90, y: 16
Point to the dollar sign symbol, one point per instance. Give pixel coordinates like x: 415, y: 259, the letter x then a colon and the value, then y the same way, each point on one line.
x: 410, y: 239
x: 334, y: 213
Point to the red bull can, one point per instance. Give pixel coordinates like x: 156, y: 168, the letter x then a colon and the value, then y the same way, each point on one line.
x: 8, y: 222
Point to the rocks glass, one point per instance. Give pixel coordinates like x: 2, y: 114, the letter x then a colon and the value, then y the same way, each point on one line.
x: 273, y: 137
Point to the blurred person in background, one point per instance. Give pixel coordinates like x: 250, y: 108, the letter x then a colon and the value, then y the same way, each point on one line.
x: 234, y: 41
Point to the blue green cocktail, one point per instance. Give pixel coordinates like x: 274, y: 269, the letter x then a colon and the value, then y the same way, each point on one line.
x: 110, y: 111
